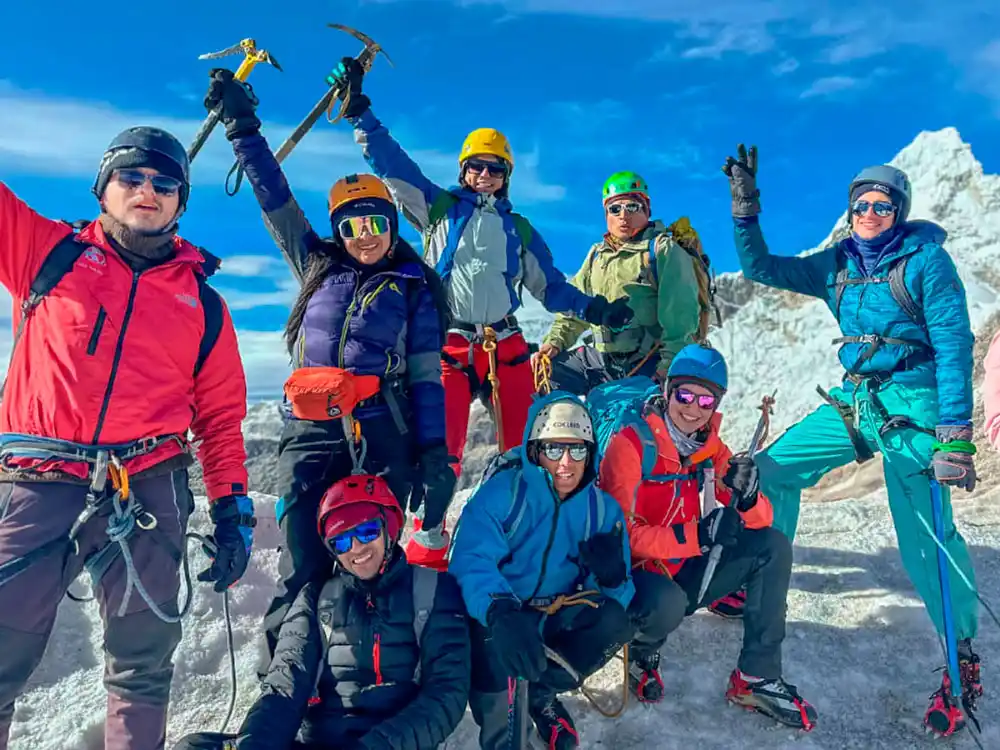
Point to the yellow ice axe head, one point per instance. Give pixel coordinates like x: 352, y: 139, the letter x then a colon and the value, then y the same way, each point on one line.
x: 251, y: 57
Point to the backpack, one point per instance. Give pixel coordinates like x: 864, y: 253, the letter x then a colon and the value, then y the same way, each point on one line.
x: 63, y: 257
x: 895, y: 277
x: 438, y: 212
x: 687, y: 239
x: 619, y: 404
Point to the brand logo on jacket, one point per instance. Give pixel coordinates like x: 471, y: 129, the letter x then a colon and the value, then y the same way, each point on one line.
x: 187, y: 299
x: 95, y: 256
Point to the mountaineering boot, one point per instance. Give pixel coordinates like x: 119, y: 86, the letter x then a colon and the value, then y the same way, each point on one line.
x: 731, y: 605
x: 644, y: 676
x: 554, y: 724
x: 774, y: 698
x: 944, y: 716
x: 428, y: 549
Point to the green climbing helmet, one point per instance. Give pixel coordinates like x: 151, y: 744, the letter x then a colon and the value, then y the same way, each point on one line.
x: 622, y: 183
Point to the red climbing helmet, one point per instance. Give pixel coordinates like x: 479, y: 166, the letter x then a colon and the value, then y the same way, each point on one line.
x: 355, y: 499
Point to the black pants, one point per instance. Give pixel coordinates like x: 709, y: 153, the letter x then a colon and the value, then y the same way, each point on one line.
x: 218, y: 741
x: 583, y: 368
x: 585, y: 637
x: 311, y: 457
x: 762, y: 561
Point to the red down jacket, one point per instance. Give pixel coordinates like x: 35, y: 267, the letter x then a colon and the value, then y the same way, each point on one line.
x: 108, y: 356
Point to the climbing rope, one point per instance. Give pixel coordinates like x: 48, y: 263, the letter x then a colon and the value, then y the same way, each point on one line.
x: 580, y: 599
x: 490, y: 347
x: 655, y: 348
x: 541, y: 370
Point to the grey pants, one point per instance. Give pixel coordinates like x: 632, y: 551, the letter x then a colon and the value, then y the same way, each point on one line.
x: 581, y: 369
x: 139, y: 646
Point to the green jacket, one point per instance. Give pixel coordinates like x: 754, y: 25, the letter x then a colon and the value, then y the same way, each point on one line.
x: 665, y: 312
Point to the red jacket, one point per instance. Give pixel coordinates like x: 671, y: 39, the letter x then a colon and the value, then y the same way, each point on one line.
x: 93, y: 369
x: 663, y: 516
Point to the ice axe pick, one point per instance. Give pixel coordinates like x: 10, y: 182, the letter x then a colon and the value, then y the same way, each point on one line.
x: 251, y: 58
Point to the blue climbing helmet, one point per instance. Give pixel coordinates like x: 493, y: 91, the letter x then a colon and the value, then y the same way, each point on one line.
x: 884, y: 176
x: 702, y: 364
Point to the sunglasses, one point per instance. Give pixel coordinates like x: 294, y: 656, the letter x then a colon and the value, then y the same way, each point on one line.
x: 686, y: 397
x: 356, y: 225
x: 366, y: 533
x: 555, y: 451
x: 881, y: 208
x: 133, y: 179
x: 495, y: 168
x: 631, y: 207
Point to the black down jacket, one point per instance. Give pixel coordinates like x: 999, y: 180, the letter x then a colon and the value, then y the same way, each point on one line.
x: 369, y: 695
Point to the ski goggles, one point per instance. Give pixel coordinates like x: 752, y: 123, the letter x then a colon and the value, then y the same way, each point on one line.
x: 365, y: 533
x: 554, y: 451
x: 355, y: 226
x: 686, y: 397
x: 632, y: 207
x: 881, y: 208
x: 133, y: 179
x: 494, y: 168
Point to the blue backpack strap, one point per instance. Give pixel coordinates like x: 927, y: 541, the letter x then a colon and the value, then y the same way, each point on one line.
x: 652, y: 260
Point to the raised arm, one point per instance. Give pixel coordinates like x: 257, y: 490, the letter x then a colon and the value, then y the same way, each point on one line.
x: 25, y: 239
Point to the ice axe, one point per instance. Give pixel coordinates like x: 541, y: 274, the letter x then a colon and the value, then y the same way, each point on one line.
x: 251, y: 58
x: 756, y: 443
x: 365, y: 58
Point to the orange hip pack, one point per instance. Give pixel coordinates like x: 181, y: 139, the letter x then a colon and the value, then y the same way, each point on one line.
x: 324, y: 393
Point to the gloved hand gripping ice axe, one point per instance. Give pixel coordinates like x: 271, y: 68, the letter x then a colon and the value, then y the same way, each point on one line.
x: 757, y: 441
x: 251, y: 58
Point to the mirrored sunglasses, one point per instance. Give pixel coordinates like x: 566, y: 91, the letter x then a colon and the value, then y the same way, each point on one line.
x: 133, y: 179
x: 355, y: 226
x: 365, y: 533
x: 686, y: 397
x: 632, y: 207
x: 554, y: 451
x: 495, y: 168
x: 881, y: 208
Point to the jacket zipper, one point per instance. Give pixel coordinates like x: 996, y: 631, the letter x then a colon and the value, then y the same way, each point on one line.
x: 548, y: 549
x: 347, y: 324
x: 118, y: 355
x: 96, y: 334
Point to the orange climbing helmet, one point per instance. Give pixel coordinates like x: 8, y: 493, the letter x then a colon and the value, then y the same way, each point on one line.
x: 356, y: 187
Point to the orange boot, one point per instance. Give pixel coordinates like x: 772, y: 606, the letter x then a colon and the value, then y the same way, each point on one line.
x: 429, y: 549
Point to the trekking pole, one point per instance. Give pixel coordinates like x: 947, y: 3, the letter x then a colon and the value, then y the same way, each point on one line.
x: 756, y: 442
x: 490, y: 347
x: 951, y: 643
x: 251, y: 58
x: 517, y: 714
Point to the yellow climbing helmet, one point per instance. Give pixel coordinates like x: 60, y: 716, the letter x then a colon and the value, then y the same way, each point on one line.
x: 486, y: 141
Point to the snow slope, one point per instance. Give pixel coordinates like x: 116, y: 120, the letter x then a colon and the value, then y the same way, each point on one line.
x: 859, y: 647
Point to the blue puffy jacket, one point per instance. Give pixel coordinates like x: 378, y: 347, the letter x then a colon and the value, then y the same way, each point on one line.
x: 532, y: 553
x: 385, y: 324
x: 477, y: 248
x: 944, y: 331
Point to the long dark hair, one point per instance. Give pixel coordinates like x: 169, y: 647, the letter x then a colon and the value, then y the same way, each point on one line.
x: 331, y: 252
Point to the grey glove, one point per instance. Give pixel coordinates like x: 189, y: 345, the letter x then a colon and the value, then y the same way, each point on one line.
x: 742, y: 174
x: 952, y: 462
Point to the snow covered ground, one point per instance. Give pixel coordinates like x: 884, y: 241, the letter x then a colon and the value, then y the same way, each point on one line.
x: 859, y: 647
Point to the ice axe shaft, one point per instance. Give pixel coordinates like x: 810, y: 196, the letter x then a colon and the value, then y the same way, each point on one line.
x: 251, y: 58
x: 756, y: 442
x: 366, y: 58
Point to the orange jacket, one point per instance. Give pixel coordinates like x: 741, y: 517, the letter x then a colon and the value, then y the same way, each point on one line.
x: 108, y: 356
x: 663, y: 514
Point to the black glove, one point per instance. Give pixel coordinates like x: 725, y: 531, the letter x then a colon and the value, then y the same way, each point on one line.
x: 517, y: 641
x: 743, y: 479
x: 953, y: 462
x: 434, y: 487
x: 604, y: 556
x: 348, y: 75
x: 615, y: 314
x: 234, y: 524
x: 722, y: 526
x: 238, y: 103
x: 742, y: 174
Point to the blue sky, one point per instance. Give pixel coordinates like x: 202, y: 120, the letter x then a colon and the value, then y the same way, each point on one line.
x: 581, y: 87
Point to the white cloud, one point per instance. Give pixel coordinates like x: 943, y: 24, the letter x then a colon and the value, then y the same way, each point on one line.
x: 830, y: 85
x: 786, y: 66
x: 66, y: 137
x: 266, y: 362
x: 253, y: 266
x: 721, y: 39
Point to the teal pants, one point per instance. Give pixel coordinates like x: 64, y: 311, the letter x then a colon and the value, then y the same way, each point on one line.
x: 820, y: 443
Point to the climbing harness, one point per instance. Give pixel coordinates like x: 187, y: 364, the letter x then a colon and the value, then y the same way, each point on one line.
x: 549, y: 606
x: 490, y: 347
x: 357, y: 444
